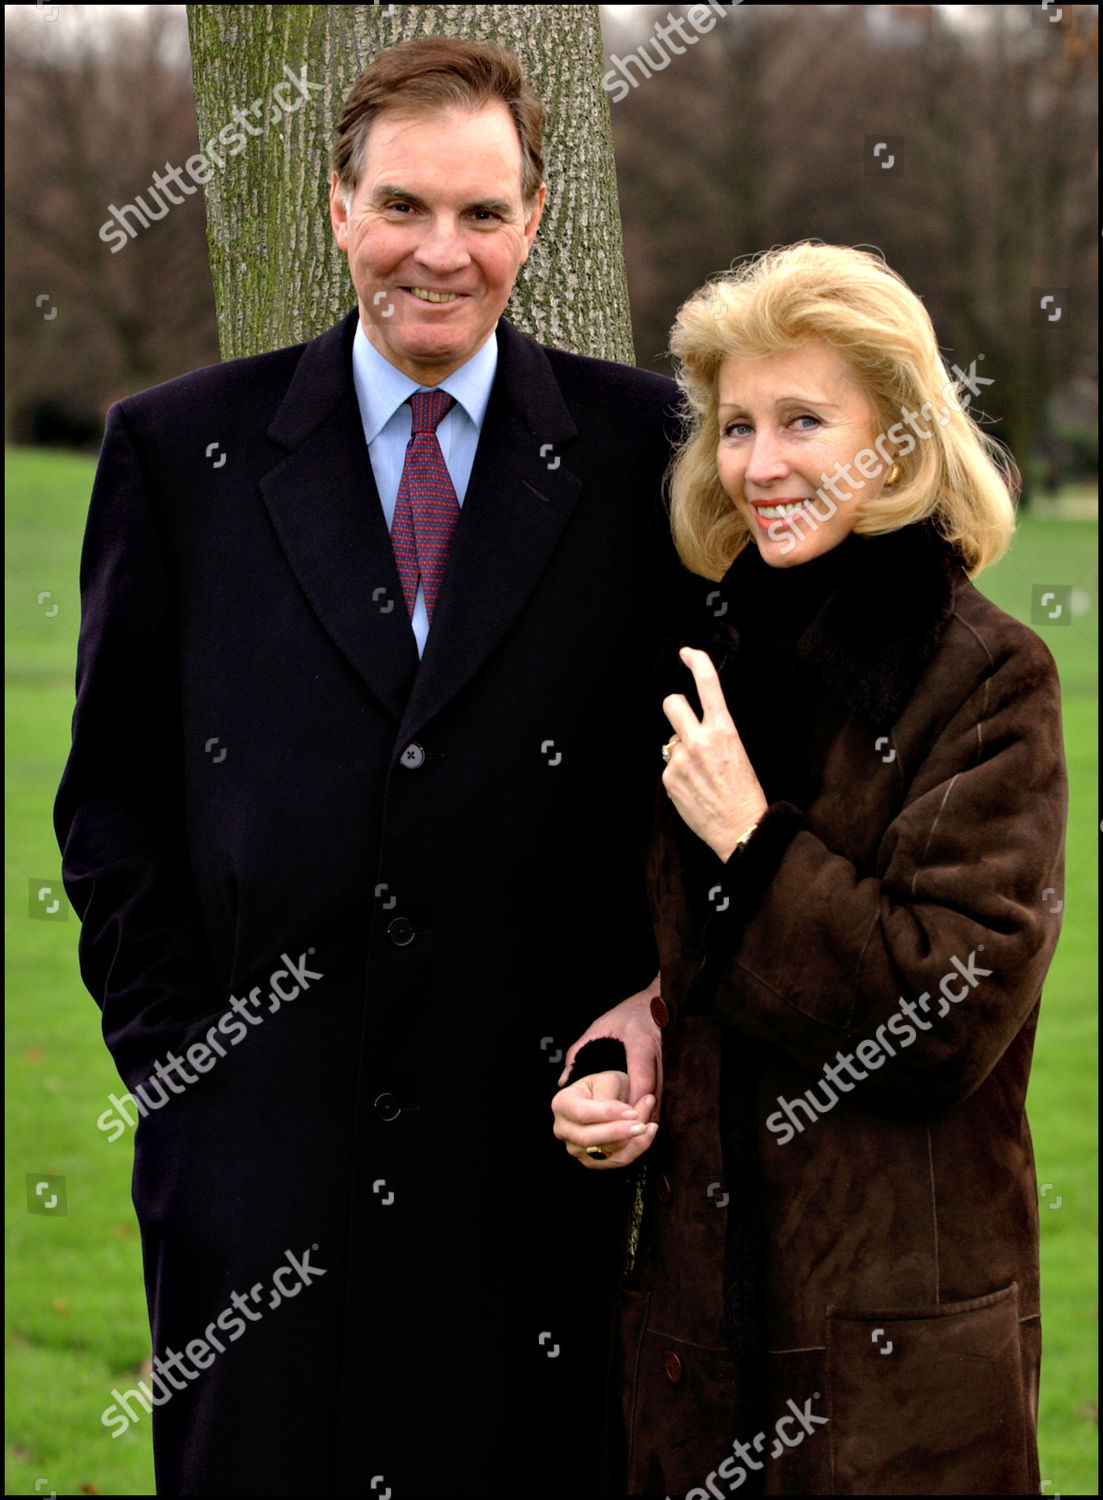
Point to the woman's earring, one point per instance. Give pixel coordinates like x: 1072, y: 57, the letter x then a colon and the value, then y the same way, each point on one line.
x: 894, y: 476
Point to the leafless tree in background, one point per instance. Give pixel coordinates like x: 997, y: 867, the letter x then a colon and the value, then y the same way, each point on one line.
x: 764, y: 134
x: 92, y: 111
x: 759, y: 133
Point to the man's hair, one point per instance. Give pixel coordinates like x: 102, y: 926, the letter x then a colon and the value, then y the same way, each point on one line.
x: 429, y: 74
x: 850, y: 300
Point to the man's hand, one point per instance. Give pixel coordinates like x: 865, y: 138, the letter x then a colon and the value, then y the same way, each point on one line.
x: 594, y: 1112
x: 629, y: 1022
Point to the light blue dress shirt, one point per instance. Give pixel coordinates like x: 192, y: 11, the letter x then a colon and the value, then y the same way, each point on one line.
x: 383, y: 392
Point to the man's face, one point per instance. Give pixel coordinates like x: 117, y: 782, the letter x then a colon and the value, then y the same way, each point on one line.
x: 435, y: 234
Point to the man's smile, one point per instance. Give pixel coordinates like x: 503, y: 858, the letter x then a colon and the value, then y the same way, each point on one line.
x: 426, y: 294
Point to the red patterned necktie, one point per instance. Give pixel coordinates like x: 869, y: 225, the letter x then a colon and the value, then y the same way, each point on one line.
x: 426, y: 510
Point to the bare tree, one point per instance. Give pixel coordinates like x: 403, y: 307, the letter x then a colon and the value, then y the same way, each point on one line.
x: 982, y: 196
x: 756, y: 134
x: 96, y: 104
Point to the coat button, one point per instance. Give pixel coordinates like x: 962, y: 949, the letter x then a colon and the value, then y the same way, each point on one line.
x: 673, y: 1366
x: 659, y: 1012
x: 412, y: 757
x: 400, y: 931
x: 662, y: 1189
x: 388, y: 1107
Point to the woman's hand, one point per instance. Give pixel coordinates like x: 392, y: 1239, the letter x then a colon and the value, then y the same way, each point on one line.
x: 708, y: 776
x: 595, y: 1112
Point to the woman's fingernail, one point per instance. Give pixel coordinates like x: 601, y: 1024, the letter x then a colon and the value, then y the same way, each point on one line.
x: 637, y: 1130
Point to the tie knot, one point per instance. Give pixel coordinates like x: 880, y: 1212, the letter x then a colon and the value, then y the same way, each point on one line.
x: 429, y: 408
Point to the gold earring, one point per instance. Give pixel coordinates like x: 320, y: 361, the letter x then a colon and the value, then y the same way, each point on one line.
x: 894, y: 476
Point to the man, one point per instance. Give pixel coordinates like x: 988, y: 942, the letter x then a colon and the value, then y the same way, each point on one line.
x: 353, y: 822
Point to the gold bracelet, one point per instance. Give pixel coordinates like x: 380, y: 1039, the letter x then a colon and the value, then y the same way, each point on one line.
x: 745, y: 837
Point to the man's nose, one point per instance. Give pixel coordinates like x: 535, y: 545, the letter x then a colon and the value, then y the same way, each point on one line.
x: 442, y: 245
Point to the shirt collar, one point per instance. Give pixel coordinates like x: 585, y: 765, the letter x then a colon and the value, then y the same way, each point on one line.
x: 381, y: 388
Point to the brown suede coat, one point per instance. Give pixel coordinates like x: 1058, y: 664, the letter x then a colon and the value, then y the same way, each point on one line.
x: 900, y: 1237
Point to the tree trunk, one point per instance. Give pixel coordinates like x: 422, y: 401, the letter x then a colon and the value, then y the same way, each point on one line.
x: 278, y: 275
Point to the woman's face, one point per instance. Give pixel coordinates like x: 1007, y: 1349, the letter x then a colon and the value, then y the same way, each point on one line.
x: 791, y: 427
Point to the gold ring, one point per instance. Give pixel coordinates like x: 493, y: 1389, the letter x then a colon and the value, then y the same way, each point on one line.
x: 668, y: 747
x: 598, y: 1152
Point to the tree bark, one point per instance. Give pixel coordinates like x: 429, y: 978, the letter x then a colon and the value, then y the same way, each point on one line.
x: 278, y: 275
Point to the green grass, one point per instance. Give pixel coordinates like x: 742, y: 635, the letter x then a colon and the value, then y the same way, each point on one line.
x: 76, y: 1313
x: 1062, y: 1101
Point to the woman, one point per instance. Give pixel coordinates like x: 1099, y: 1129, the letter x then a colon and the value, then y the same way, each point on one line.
x: 856, y: 877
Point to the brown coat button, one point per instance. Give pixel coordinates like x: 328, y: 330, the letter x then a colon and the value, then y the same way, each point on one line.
x: 659, y: 1012
x: 662, y: 1189
x: 673, y: 1366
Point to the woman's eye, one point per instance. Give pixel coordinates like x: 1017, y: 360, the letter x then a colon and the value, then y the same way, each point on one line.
x: 740, y: 428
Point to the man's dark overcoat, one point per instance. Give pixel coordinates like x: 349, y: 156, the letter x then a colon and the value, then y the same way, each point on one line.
x: 439, y: 866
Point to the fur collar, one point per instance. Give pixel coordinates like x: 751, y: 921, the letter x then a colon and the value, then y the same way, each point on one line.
x: 881, y: 609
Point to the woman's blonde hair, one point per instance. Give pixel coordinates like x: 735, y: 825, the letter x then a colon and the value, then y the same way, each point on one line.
x: 850, y: 299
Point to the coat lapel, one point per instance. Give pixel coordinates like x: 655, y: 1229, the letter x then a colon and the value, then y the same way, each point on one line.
x: 325, y: 509
x: 519, y: 498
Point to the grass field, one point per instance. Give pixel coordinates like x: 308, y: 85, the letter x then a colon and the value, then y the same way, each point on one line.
x: 76, y: 1323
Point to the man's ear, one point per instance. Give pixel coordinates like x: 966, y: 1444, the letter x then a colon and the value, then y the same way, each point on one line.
x: 338, y: 214
x: 533, y: 222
